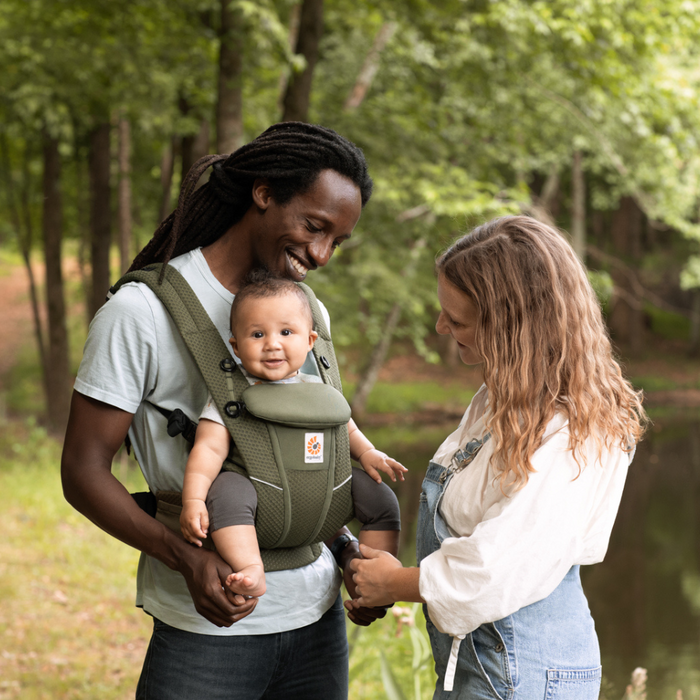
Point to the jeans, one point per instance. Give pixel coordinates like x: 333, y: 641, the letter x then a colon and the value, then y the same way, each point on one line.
x: 544, y: 651
x: 310, y: 663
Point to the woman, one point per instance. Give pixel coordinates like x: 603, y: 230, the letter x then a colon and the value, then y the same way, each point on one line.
x: 527, y: 488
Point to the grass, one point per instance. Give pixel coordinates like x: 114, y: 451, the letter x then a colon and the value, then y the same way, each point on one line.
x: 405, y: 397
x: 68, y: 626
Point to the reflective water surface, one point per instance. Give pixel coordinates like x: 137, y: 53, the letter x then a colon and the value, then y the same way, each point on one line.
x: 645, y: 596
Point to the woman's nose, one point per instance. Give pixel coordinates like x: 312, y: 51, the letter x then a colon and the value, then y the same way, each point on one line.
x: 441, y: 327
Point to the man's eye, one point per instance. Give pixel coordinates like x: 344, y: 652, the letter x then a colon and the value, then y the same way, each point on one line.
x: 312, y: 228
x: 336, y: 244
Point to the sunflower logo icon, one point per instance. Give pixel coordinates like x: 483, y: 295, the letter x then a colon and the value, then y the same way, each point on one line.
x: 313, y: 446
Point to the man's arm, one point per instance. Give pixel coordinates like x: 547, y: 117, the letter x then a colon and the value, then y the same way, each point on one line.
x: 95, y: 432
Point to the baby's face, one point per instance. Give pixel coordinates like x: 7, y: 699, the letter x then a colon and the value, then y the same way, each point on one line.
x: 273, y: 336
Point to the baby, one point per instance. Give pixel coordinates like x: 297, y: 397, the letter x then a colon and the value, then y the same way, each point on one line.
x: 272, y: 329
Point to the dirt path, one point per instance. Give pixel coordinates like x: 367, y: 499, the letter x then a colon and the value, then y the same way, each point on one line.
x: 16, y: 331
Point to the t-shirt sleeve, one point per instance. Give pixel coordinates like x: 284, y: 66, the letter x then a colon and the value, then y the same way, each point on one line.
x: 525, y: 543
x: 211, y: 412
x: 120, y: 359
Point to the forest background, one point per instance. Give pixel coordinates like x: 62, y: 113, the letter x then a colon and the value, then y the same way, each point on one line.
x: 582, y: 113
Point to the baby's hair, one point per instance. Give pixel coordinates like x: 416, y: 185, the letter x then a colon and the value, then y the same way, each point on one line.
x: 262, y: 284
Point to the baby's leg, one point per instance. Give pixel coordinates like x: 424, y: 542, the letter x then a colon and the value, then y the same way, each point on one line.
x: 377, y: 508
x: 231, y: 504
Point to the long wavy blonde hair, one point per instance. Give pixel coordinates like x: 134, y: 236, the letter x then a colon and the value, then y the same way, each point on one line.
x: 544, y: 344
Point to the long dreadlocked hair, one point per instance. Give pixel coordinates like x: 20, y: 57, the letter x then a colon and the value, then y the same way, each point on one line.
x: 289, y: 155
x: 545, y: 347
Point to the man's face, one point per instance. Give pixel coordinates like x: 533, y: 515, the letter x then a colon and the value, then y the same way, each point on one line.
x: 302, y: 234
x: 273, y: 335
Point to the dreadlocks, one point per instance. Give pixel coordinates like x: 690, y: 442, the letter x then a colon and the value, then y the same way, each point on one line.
x: 290, y: 155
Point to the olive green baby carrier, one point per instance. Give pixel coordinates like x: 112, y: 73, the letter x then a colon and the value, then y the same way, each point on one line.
x: 291, y: 440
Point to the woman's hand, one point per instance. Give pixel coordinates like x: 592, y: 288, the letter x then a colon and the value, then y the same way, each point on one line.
x: 375, y: 578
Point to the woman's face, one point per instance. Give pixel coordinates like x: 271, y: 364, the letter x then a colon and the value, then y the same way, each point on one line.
x: 458, y: 318
x: 301, y: 235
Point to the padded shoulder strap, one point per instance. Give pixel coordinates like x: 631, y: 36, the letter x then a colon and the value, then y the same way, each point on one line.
x: 323, y: 347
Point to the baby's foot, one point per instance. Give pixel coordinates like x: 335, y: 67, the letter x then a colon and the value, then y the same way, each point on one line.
x: 249, y: 581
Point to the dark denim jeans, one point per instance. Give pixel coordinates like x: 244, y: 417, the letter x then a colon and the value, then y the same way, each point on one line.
x: 310, y: 663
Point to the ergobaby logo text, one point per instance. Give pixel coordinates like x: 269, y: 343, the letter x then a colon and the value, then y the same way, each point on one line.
x: 313, y: 448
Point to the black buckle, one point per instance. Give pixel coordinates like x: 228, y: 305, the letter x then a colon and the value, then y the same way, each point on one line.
x: 325, y: 362
x: 234, y: 409
x: 227, y: 364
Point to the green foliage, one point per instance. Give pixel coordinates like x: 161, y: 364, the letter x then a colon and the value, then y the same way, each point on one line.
x: 667, y: 324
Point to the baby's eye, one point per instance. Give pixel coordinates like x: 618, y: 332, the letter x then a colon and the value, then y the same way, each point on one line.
x: 257, y: 334
x: 286, y: 331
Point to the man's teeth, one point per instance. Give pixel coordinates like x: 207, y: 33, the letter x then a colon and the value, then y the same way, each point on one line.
x: 298, y: 266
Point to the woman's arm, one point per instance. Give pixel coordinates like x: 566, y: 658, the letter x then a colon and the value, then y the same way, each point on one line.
x: 381, y: 579
x: 95, y: 432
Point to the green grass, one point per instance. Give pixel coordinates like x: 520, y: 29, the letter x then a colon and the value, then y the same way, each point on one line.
x: 412, y: 396
x: 68, y: 626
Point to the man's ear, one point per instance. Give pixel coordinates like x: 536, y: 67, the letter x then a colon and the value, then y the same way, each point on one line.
x: 262, y: 193
x: 312, y: 338
x: 234, y: 345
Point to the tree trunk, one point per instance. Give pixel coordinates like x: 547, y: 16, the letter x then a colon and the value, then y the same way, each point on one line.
x: 626, y: 314
x: 194, y: 147
x: 694, y: 350
x: 578, y: 206
x: 167, y: 167
x: 370, y: 66
x: 229, y: 106
x: 368, y: 377
x: 294, y: 15
x: 24, y: 238
x: 57, y: 379
x: 298, y: 95
x: 124, y: 213
x: 100, y: 215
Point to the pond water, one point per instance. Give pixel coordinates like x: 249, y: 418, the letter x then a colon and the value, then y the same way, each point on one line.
x: 645, y: 596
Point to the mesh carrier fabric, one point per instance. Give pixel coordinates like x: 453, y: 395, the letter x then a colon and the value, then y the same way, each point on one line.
x: 289, y: 532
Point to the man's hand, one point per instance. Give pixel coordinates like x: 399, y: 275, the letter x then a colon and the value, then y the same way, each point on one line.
x: 205, y: 573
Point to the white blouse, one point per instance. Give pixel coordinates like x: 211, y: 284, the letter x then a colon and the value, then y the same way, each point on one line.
x: 509, y: 551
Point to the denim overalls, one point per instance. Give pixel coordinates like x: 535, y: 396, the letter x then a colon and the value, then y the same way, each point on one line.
x: 544, y: 651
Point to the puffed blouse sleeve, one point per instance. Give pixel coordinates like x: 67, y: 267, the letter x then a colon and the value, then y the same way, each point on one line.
x: 513, y: 549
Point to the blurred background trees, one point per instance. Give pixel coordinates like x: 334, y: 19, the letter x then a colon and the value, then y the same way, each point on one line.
x: 581, y: 113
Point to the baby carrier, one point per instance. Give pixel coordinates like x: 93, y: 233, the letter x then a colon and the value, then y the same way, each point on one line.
x: 291, y: 440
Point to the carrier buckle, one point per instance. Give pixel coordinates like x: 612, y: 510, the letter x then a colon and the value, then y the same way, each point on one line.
x: 233, y: 409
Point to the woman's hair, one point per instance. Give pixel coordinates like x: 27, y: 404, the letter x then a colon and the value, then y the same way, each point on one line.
x: 260, y: 283
x: 289, y: 155
x: 544, y: 344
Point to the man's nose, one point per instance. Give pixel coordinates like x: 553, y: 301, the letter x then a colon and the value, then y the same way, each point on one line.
x: 321, y: 250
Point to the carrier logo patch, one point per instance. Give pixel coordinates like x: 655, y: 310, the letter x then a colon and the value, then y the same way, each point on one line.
x: 313, y: 450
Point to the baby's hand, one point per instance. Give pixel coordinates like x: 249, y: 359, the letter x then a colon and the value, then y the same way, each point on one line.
x: 374, y: 460
x: 194, y: 521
